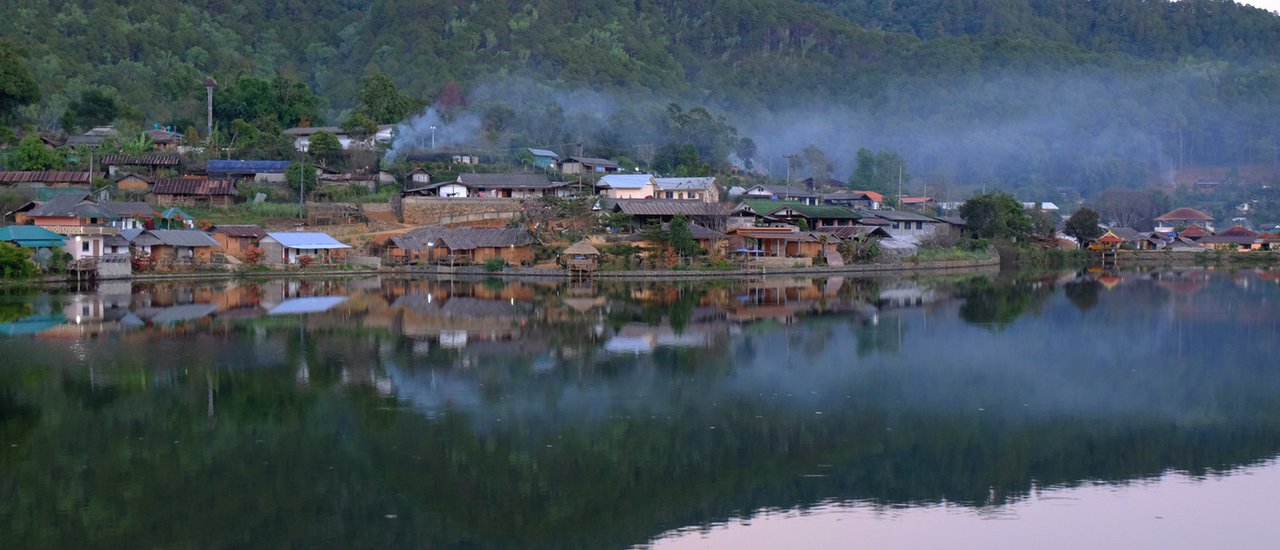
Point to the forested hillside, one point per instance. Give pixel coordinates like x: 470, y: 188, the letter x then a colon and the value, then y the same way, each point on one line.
x: 1037, y: 94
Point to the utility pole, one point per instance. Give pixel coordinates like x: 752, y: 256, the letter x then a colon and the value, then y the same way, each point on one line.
x: 899, y: 186
x: 788, y: 192
x: 302, y: 186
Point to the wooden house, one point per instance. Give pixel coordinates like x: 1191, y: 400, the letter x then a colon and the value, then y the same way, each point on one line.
x: 189, y: 191
x: 465, y: 245
x: 588, y: 165
x: 151, y: 164
x: 237, y: 241
x: 698, y: 189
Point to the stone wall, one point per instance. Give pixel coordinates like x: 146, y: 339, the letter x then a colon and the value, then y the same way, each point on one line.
x: 438, y: 211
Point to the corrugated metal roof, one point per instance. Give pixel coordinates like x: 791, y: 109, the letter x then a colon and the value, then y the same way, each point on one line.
x: 30, y: 236
x: 251, y: 231
x: 658, y: 207
x: 245, y: 167
x: 140, y: 160
x: 625, y: 181
x: 185, y: 186
x: 507, y: 181
x: 591, y: 161
x: 306, y: 240
x: 543, y: 153
x: 183, y: 237
x: 45, y: 176
x: 60, y: 205
x: 125, y: 209
x: 464, y: 238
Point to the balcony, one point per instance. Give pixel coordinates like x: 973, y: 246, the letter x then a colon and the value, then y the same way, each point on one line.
x: 73, y: 230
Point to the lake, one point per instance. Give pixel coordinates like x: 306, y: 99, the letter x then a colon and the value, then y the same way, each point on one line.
x: 1060, y: 410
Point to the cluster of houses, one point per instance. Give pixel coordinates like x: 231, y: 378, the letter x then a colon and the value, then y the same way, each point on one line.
x: 1186, y: 229
x: 88, y: 230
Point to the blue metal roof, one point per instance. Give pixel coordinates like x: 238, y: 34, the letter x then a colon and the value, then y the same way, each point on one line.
x: 246, y: 167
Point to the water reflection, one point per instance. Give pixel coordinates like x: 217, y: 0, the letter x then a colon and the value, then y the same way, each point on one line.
x: 525, y: 414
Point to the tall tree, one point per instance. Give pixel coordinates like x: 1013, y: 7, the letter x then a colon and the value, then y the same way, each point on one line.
x: 1083, y: 225
x: 31, y: 154
x: 381, y: 101
x: 95, y: 107
x: 995, y: 215
x: 17, y: 86
x: 325, y: 149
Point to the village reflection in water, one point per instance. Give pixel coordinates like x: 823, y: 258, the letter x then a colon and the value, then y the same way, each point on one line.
x: 524, y: 414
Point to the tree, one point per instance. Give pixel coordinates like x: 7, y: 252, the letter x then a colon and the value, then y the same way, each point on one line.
x: 325, y: 149
x: 680, y: 237
x: 819, y: 165
x: 17, y: 85
x: 284, y: 101
x: 301, y: 178
x: 31, y: 154
x: 15, y: 262
x: 94, y: 108
x: 1083, y: 225
x: 995, y: 215
x: 380, y: 101
x: 360, y: 127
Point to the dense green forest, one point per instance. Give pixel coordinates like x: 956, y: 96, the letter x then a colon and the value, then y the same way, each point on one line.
x: 1038, y: 95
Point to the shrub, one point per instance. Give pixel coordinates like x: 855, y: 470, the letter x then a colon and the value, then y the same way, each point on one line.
x: 494, y: 264
x: 15, y: 262
x: 306, y: 261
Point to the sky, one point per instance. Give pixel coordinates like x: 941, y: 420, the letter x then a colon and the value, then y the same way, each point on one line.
x: 1273, y: 5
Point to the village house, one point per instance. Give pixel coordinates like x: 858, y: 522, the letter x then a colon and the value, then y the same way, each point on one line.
x: 908, y: 224
x: 128, y: 215
x: 782, y: 193
x: 40, y: 240
x: 151, y: 164
x: 587, y: 165
x: 1183, y: 217
x: 40, y: 179
x: 94, y: 137
x: 806, y: 216
x: 782, y: 246
x: 77, y: 217
x: 257, y: 171
x: 660, y: 211
x: 165, y: 139
x: 511, y: 186
x: 466, y: 245
x: 384, y: 134
x: 133, y: 185
x: 189, y: 191
x: 1236, y: 238
x: 544, y: 158
x: 698, y: 189
x: 237, y: 241
x: 709, y: 240
x: 292, y: 247
x: 418, y: 178
x: 628, y: 186
x: 865, y: 200
x: 168, y: 248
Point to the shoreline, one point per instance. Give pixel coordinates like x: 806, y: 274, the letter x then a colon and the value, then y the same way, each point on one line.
x: 984, y: 265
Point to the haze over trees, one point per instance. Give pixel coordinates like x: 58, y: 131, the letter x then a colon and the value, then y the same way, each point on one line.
x: 1034, y: 96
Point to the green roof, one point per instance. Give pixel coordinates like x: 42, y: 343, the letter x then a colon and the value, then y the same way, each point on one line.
x: 765, y: 206
x: 31, y: 236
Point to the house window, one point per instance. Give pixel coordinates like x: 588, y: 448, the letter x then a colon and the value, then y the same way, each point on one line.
x: 84, y: 246
x: 693, y: 195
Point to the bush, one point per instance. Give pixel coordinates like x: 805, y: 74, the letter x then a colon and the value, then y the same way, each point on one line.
x: 306, y: 261
x: 15, y: 262
x: 495, y: 264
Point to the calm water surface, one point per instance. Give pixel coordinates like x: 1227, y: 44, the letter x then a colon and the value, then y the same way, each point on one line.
x: 1061, y: 411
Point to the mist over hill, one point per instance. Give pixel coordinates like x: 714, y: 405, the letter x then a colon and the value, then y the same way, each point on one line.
x: 1038, y: 95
